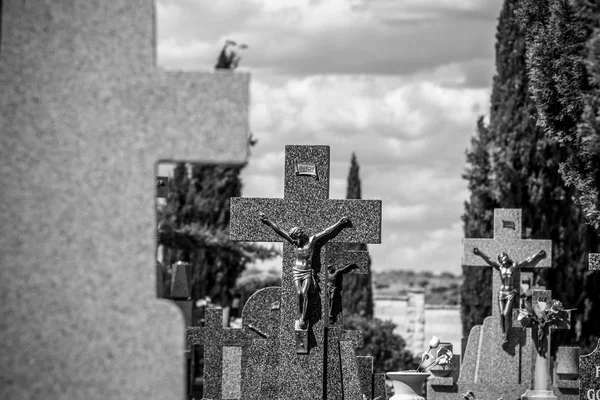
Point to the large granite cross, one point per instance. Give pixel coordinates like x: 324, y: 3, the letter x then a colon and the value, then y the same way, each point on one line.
x: 305, y: 204
x: 85, y: 116
x: 507, y: 239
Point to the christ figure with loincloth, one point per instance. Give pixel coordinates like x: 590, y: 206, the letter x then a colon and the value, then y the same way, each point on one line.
x: 507, y: 292
x: 305, y: 253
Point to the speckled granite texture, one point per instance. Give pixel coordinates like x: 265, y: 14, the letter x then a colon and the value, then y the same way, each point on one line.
x: 260, y: 362
x: 85, y: 116
x: 306, y: 204
x: 214, y: 338
x: 350, y: 375
x: 589, y: 376
x: 365, y: 375
x: 594, y: 261
x: 379, y: 389
x: 231, y: 380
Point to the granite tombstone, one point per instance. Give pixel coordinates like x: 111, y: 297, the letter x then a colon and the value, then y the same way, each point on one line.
x: 589, y: 375
x: 85, y: 116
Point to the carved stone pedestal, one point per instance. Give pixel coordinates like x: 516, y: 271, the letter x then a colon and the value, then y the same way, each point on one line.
x: 533, y: 394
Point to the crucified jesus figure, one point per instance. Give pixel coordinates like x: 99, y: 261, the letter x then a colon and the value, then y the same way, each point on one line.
x: 507, y: 292
x: 303, y: 267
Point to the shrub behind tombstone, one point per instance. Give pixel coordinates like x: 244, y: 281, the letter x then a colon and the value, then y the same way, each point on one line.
x: 379, y: 340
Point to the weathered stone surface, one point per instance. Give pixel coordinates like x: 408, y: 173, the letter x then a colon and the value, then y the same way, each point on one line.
x: 365, y: 375
x: 594, y: 261
x: 85, y: 116
x: 589, y: 375
x: 231, y: 380
x: 261, y: 317
x: 350, y: 375
x: 214, y: 338
x: 379, y: 389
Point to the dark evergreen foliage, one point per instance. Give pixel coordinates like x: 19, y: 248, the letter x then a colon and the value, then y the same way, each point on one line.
x: 388, y: 349
x: 194, y: 227
x: 563, y: 64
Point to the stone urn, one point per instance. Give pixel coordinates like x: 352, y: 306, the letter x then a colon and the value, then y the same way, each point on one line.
x: 407, y: 384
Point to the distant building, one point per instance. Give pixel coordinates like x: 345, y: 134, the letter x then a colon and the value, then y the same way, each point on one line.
x: 417, y: 322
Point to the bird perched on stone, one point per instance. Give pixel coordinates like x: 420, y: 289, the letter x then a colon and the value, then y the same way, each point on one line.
x: 230, y: 55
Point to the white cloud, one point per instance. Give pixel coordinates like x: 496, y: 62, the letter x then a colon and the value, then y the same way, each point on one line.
x: 333, y: 36
x: 400, y: 83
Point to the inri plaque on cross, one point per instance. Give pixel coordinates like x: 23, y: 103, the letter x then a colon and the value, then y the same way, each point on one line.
x: 305, y: 205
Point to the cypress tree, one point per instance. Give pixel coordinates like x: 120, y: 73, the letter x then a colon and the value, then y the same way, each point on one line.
x: 476, y: 290
x: 194, y: 227
x: 524, y: 166
x: 563, y: 56
x: 357, y: 292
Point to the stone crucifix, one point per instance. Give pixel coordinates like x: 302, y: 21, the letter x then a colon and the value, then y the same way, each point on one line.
x: 508, y: 246
x: 302, y: 270
x: 302, y: 354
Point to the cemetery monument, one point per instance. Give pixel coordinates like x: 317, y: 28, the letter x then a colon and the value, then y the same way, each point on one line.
x: 85, y: 116
x: 282, y: 358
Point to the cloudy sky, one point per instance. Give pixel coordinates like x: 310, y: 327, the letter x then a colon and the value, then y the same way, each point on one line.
x: 399, y: 82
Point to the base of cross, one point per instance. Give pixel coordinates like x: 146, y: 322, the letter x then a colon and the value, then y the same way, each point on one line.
x: 539, y: 395
x: 301, y: 341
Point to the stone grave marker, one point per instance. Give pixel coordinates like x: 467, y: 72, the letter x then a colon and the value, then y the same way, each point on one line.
x: 217, y: 342
x: 306, y: 204
x: 85, y: 117
x: 352, y: 262
x: 589, y: 375
x: 489, y: 368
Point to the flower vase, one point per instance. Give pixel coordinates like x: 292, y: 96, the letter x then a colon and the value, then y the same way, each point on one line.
x: 407, y: 384
x: 540, y: 389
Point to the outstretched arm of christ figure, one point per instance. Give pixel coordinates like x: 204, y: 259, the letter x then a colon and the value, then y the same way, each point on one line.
x: 265, y: 220
x: 332, y: 228
x: 347, y: 267
x: 533, y: 260
x: 488, y: 260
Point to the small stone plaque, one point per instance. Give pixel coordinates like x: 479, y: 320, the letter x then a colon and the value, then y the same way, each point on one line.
x: 589, y: 375
x: 302, y: 341
x: 307, y: 169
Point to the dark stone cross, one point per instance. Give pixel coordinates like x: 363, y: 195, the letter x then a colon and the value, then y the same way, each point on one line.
x: 305, y: 204
x: 214, y: 337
